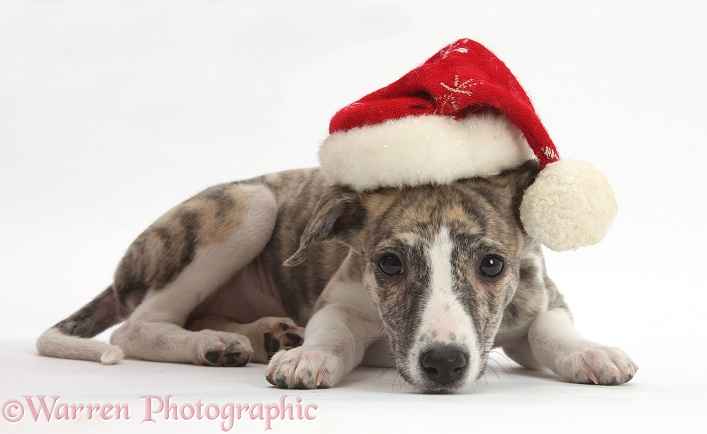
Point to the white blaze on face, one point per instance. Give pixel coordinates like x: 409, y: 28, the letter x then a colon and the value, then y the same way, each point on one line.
x: 443, y: 318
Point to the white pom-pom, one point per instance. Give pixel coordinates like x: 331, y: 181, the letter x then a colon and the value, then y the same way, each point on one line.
x: 570, y: 205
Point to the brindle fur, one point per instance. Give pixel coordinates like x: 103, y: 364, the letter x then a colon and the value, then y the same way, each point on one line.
x: 186, y: 285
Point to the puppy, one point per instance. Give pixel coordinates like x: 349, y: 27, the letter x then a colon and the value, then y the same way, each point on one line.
x: 428, y: 279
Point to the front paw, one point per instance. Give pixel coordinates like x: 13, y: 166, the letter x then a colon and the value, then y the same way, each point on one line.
x: 282, y: 336
x: 270, y: 335
x: 597, y: 364
x: 305, y: 368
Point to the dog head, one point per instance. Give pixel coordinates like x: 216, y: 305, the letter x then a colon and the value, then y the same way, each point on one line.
x: 441, y: 262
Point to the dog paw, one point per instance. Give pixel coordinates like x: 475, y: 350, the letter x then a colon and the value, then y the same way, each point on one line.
x: 222, y: 349
x: 305, y: 368
x: 277, y: 334
x: 597, y: 364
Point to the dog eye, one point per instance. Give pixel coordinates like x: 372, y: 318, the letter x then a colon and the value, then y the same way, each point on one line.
x: 390, y: 265
x: 491, y: 266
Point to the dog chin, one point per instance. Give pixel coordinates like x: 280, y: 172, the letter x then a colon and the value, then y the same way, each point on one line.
x: 424, y: 385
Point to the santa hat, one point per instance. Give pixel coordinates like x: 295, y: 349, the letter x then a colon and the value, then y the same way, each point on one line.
x: 463, y: 114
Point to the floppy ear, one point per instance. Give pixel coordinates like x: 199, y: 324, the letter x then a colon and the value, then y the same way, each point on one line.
x: 339, y: 213
x: 519, y: 180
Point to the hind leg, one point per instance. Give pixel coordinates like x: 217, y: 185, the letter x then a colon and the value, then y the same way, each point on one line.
x: 266, y: 336
x: 166, y: 342
x: 225, y: 230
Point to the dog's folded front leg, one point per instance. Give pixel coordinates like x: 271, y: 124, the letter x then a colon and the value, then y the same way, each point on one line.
x: 266, y: 336
x: 557, y: 345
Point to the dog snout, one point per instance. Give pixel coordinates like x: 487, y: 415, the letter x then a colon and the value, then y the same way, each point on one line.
x: 444, y: 364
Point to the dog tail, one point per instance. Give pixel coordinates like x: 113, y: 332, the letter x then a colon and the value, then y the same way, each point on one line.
x: 68, y: 339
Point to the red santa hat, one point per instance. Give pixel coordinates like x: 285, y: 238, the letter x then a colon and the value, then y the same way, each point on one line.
x: 463, y: 114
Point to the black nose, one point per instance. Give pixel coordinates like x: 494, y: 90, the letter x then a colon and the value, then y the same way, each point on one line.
x: 444, y: 364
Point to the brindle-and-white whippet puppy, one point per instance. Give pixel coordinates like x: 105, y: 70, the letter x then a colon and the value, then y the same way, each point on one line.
x: 427, y: 279
x: 416, y: 245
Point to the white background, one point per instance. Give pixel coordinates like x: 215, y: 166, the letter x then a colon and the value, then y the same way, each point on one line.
x: 113, y: 111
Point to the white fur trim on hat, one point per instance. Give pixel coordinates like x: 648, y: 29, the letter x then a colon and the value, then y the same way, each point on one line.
x: 419, y: 150
x: 570, y: 205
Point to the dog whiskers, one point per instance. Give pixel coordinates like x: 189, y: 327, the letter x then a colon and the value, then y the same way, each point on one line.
x: 500, y: 365
x: 490, y: 368
x: 503, y: 368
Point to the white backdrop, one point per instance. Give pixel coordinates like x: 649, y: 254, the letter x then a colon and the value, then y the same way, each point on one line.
x: 113, y: 111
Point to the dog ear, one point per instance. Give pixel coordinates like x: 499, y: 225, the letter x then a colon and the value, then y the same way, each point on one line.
x: 339, y: 213
x: 520, y: 179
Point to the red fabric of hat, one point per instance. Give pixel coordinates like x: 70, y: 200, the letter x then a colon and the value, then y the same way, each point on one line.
x: 463, y: 77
